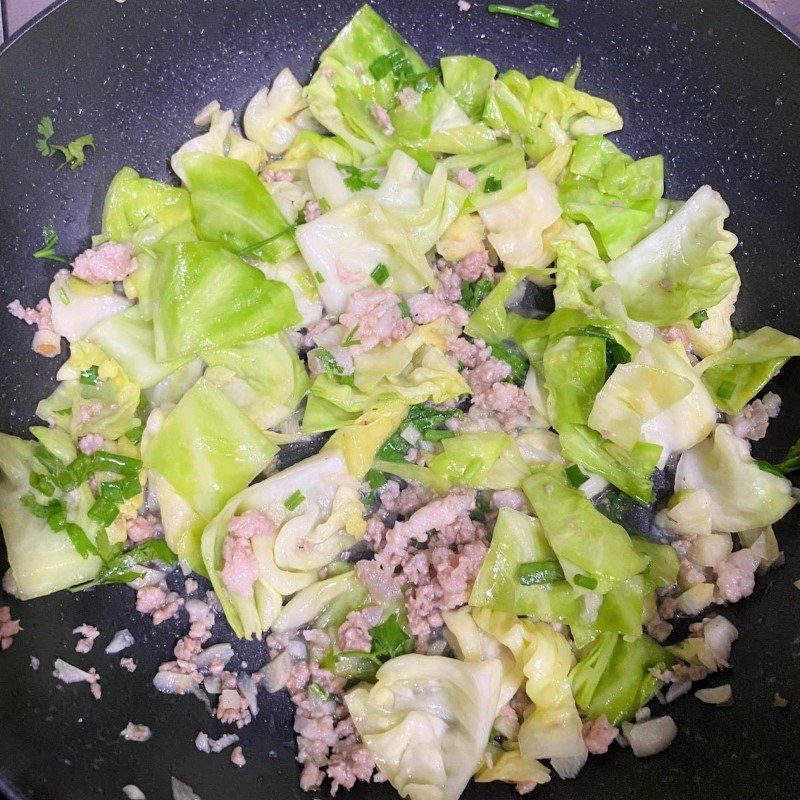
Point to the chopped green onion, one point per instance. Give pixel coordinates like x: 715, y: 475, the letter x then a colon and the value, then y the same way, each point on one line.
x: 38, y: 510
x: 50, y: 462
x: 437, y: 436
x: 42, y: 484
x: 48, y: 249
x: 125, y: 489
x: 326, y: 358
x: 534, y: 573
x: 254, y: 248
x: 765, y: 466
x: 114, y: 462
x: 319, y: 276
x: 380, y: 67
x: 492, y: 184
x: 699, y: 317
x: 347, y: 380
x: 350, y: 339
x: 380, y: 274
x: 104, y: 511
x: 375, y: 479
x: 90, y: 377
x: 80, y: 541
x: 726, y: 389
x: 537, y: 13
x: 294, y: 500
x: 134, y: 435
x: 63, y: 296
x: 425, y: 81
x: 74, y: 474
x: 57, y: 518
x: 318, y: 691
x: 575, y: 476
x: 405, y: 311
x: 585, y: 581
x: 324, y: 204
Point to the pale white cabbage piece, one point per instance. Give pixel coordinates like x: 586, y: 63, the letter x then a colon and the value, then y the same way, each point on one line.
x: 213, y: 141
x: 689, y: 516
x: 465, y: 235
x: 328, y: 183
x: 77, y: 306
x: 268, y: 118
x: 742, y: 495
x: 516, y: 226
x: 658, y: 399
x: 290, y: 197
x: 310, y: 536
x: 683, y: 266
x: 715, y: 333
x: 294, y: 272
x: 346, y: 244
x: 553, y: 728
x: 427, y: 721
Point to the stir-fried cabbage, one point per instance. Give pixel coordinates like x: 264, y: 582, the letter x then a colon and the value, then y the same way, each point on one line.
x: 742, y: 495
x: 427, y: 721
x: 310, y: 535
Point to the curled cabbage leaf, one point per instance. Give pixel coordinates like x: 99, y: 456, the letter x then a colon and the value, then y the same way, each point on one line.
x: 345, y: 245
x: 467, y: 79
x: 269, y: 118
x: 504, y: 164
x: 716, y: 332
x: 294, y: 272
x: 427, y: 720
x: 552, y: 727
x: 265, y: 378
x: 516, y: 227
x: 657, y: 398
x: 683, y: 267
x: 737, y: 374
x: 742, y: 495
x: 309, y: 536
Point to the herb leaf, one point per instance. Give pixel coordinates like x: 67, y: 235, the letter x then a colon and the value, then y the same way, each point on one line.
x: 74, y: 152
x: 536, y: 13
x: 390, y: 639
x: 121, y: 568
x: 48, y: 249
x: 472, y: 292
x: 515, y: 358
x: 359, y: 179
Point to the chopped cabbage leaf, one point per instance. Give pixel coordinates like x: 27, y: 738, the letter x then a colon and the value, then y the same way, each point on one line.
x: 308, y: 537
x: 41, y: 560
x: 265, y: 378
x: 207, y: 449
x: 133, y: 203
x: 615, y: 195
x: 552, y: 728
x: 657, y: 398
x: 516, y: 226
x: 427, y: 721
x: 742, y: 495
x: 716, y: 332
x: 206, y: 297
x: 349, y: 99
x: 325, y: 603
x: 468, y: 458
x: 502, y: 165
x: 269, y: 116
x: 76, y: 306
x: 545, y: 113
x: 106, y: 406
x: 734, y: 376
x: 467, y: 79
x: 613, y: 678
x: 580, y: 534
x: 128, y: 338
x: 683, y: 267
x: 347, y: 243
x: 232, y: 207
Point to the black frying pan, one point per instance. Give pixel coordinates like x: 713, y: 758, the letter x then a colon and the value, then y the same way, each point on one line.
x: 706, y: 82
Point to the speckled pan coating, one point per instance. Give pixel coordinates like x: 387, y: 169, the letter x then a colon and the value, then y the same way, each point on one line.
x: 706, y: 82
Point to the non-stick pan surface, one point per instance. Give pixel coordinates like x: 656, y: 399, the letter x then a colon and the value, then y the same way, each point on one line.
x: 706, y: 82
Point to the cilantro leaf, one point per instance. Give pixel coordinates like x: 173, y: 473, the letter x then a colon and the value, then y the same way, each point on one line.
x: 472, y: 292
x: 74, y: 153
x: 358, y: 179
